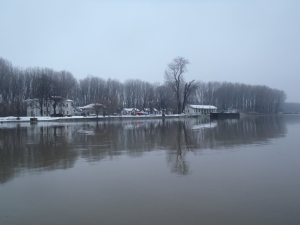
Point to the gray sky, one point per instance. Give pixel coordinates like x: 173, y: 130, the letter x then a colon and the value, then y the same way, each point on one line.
x: 251, y: 42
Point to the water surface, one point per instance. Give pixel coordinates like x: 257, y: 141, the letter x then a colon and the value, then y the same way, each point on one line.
x: 191, y: 171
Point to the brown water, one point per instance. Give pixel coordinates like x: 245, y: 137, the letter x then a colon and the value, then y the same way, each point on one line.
x: 192, y: 171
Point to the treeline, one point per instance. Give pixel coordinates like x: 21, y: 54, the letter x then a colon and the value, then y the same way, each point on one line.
x: 291, y: 107
x: 17, y: 85
x: 246, y: 98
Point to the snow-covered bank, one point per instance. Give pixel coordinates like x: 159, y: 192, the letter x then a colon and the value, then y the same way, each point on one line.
x: 83, y: 118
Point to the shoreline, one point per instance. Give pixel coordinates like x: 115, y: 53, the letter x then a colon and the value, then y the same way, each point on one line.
x: 25, y: 119
x: 12, y: 119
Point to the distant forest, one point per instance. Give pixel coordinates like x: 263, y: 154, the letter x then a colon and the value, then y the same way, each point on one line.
x: 18, y: 84
x: 291, y: 107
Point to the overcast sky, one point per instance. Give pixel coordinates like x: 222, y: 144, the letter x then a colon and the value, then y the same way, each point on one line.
x: 248, y: 41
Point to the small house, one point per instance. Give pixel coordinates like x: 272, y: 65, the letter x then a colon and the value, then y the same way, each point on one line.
x: 156, y: 112
x: 93, y: 109
x: 129, y: 111
x: 199, y: 109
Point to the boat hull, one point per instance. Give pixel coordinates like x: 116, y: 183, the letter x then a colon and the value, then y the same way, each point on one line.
x: 224, y: 115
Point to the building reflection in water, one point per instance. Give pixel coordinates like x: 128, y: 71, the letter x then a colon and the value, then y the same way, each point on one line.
x: 50, y: 146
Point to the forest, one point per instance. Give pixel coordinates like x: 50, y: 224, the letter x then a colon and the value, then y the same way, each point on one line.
x: 18, y: 85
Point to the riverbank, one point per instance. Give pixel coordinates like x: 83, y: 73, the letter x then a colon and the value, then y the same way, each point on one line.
x: 85, y: 118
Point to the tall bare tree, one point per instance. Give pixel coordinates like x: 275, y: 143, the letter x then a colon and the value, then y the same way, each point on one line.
x: 174, y: 78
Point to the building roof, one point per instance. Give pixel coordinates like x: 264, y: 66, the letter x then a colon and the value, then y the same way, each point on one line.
x: 91, y: 106
x: 37, y: 99
x: 130, y: 109
x: 203, y: 106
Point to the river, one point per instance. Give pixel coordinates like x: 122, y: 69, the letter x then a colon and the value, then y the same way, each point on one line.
x: 173, y: 171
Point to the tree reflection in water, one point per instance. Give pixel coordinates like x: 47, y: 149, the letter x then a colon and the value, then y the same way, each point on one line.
x: 43, y: 146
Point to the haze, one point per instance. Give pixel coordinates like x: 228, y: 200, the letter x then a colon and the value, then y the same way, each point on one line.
x: 251, y: 42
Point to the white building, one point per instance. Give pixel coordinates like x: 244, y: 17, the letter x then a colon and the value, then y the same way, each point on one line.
x: 199, y: 109
x: 93, y: 109
x: 156, y: 112
x: 129, y: 111
x: 63, y: 107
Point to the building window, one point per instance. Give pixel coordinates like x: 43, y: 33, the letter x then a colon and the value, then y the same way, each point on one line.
x: 66, y: 105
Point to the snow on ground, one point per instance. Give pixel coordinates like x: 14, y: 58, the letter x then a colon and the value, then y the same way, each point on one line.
x: 49, y: 119
x: 41, y: 118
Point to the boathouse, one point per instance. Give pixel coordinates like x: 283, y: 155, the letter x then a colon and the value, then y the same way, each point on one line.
x: 195, y: 110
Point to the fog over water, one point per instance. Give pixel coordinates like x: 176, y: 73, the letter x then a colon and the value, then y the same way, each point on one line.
x: 239, y: 171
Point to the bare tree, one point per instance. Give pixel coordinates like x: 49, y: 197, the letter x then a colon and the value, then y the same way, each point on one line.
x: 112, y: 95
x: 40, y: 86
x: 162, y: 97
x: 18, y: 89
x: 188, y: 89
x: 6, y: 73
x: 174, y: 78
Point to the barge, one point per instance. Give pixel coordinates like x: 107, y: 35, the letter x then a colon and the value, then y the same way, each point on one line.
x: 225, y: 115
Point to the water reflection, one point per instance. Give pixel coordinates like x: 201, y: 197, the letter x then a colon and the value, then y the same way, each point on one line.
x: 49, y: 146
